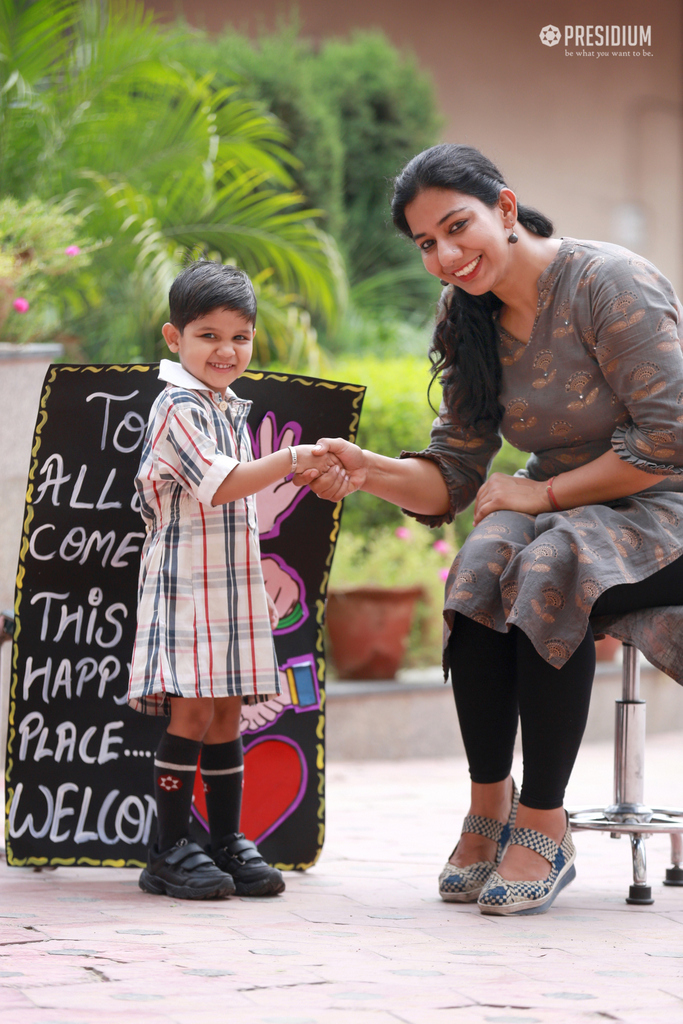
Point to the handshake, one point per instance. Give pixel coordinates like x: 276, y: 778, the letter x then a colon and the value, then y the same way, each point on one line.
x: 332, y: 468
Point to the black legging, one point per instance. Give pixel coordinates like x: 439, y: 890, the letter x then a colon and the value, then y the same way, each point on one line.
x: 500, y: 677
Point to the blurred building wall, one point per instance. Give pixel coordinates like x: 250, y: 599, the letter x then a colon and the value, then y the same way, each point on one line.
x: 594, y: 142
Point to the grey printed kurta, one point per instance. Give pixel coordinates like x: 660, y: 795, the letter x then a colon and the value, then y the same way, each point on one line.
x: 603, y: 368
x: 203, y: 628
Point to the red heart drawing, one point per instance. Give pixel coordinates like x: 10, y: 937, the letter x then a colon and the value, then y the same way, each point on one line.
x: 275, y: 777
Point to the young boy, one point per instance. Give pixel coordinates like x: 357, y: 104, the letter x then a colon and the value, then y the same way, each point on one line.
x: 204, y: 643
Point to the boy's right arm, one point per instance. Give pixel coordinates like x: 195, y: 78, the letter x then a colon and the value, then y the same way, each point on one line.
x: 250, y: 477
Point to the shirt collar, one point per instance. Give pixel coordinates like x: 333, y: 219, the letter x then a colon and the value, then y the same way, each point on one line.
x: 174, y: 373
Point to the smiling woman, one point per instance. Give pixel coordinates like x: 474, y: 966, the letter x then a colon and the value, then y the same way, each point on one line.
x: 461, y: 214
x: 571, y: 350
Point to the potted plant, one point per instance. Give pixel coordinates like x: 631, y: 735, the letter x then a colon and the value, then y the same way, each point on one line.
x: 377, y: 585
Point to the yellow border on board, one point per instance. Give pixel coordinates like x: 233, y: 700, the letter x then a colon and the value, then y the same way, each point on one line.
x: 50, y: 378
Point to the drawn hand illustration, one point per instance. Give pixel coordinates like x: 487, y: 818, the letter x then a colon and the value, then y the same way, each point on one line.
x: 285, y: 589
x: 276, y: 502
x: 299, y: 690
x: 258, y: 716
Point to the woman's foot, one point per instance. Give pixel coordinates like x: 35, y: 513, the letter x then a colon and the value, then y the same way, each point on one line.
x: 535, y: 891
x: 494, y: 801
x: 483, y: 839
x: 522, y: 864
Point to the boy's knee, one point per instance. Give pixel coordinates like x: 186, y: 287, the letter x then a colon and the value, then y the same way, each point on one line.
x: 191, y: 718
x: 226, y: 709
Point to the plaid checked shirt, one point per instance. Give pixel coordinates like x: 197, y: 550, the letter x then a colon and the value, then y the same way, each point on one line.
x: 203, y: 628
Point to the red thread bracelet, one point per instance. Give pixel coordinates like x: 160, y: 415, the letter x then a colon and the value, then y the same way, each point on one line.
x: 551, y: 497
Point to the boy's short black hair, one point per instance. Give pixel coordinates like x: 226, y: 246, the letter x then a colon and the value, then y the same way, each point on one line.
x: 207, y: 285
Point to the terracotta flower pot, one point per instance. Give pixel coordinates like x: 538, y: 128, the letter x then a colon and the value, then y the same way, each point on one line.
x: 368, y: 628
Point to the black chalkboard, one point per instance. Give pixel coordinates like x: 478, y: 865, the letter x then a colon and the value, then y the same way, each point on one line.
x: 79, y: 760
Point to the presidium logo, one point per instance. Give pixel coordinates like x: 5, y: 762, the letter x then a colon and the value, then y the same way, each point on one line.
x: 600, y: 40
x: 550, y: 35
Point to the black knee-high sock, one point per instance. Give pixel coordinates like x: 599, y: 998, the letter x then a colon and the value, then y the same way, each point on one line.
x: 175, y: 764
x: 222, y: 768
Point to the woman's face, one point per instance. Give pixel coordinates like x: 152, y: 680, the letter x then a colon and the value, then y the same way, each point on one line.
x: 463, y: 241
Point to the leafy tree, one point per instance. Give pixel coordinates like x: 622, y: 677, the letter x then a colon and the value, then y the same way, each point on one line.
x: 356, y: 111
x: 280, y: 72
x: 161, y: 162
x: 387, y: 113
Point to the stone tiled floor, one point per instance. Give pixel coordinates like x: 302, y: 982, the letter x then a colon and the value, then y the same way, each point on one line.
x: 362, y: 938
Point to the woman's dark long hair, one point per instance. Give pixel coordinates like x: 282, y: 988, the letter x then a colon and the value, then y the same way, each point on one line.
x: 464, y: 349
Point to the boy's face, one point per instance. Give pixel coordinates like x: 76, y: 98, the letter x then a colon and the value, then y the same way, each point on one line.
x: 216, y: 348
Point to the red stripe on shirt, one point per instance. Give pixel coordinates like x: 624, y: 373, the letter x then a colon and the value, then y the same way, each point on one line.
x: 206, y: 597
x: 192, y: 442
x: 176, y: 472
x: 251, y: 607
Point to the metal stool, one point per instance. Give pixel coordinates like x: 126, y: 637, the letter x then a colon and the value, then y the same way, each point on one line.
x: 628, y: 814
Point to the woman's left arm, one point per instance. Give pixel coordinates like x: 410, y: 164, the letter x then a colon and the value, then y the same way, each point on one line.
x: 637, y: 335
x: 603, y: 479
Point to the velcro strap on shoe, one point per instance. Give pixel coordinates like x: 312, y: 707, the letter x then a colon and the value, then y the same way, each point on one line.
x: 535, y: 841
x: 181, y: 854
x: 242, y: 847
x: 481, y: 826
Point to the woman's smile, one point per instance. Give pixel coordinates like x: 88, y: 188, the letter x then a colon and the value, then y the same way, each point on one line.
x: 468, y: 272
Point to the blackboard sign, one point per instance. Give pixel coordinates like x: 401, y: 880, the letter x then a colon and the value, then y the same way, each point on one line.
x: 79, y: 760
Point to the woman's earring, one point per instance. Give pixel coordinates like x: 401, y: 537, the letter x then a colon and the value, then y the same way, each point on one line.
x: 512, y: 238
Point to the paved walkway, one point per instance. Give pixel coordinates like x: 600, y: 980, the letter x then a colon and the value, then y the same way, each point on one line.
x: 362, y: 938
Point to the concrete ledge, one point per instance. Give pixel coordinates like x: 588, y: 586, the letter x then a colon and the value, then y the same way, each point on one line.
x: 415, y: 716
x: 48, y: 352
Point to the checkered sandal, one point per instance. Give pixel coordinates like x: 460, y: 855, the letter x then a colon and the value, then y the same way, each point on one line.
x: 463, y: 885
x: 499, y: 896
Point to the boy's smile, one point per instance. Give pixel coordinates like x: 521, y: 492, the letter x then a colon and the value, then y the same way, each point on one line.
x: 216, y: 348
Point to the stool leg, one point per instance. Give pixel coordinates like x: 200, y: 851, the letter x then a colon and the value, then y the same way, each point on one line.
x: 640, y: 891
x: 674, y: 875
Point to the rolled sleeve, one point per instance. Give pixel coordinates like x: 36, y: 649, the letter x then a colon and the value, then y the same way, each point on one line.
x: 220, y: 468
x: 639, y: 332
x: 463, y: 456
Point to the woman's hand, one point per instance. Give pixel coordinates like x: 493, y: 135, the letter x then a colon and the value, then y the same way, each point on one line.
x: 512, y: 493
x: 335, y: 484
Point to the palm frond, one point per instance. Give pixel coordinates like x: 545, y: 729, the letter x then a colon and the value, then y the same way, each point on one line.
x: 33, y: 37
x: 162, y: 162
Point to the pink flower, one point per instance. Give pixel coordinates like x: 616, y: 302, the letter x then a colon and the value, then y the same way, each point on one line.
x: 403, y: 532
x: 72, y: 250
x: 442, y: 546
x: 443, y: 574
x: 21, y: 305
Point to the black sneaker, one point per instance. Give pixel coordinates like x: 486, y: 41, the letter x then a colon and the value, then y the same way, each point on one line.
x: 186, y: 872
x: 240, y: 858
